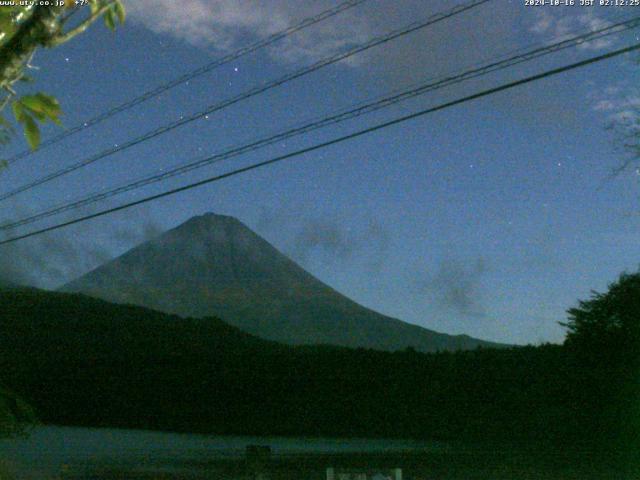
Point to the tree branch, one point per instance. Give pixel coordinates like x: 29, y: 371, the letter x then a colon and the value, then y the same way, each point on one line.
x: 34, y: 32
x: 60, y: 39
x: 5, y: 101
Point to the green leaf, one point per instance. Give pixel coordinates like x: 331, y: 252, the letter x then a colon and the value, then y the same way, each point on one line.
x: 42, y: 106
x: 40, y: 115
x: 18, y: 111
x: 120, y: 11
x: 31, y: 132
x: 95, y: 6
x: 6, y: 23
x: 109, y: 19
x: 52, y: 105
x: 33, y: 103
x: 56, y: 120
x: 34, y: 106
x: 48, y: 100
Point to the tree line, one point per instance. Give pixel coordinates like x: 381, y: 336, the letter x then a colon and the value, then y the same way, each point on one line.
x: 82, y: 361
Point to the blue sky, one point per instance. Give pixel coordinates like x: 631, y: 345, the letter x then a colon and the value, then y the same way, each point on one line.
x: 490, y: 218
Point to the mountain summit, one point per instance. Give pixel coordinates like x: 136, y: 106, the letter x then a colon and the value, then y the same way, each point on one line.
x: 215, y: 265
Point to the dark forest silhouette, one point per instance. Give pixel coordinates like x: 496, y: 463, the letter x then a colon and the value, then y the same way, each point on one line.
x: 83, y: 361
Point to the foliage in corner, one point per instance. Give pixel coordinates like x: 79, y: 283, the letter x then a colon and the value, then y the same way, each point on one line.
x: 24, y: 29
x: 30, y: 109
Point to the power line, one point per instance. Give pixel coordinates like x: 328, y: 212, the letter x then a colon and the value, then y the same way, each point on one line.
x: 250, y: 93
x: 307, y: 22
x: 352, y: 112
x: 334, y: 141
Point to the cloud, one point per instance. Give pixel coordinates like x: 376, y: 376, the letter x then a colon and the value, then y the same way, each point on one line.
x: 455, y: 286
x: 48, y: 260
x: 378, y: 237
x: 330, y: 239
x: 52, y: 259
x: 604, y: 106
x: 228, y: 24
x: 445, y: 47
x: 334, y: 241
x: 224, y: 25
x: 134, y: 233
x: 543, y: 23
x: 454, y: 45
x: 617, y: 100
x: 593, y: 23
x: 617, y: 103
x: 325, y: 236
x: 620, y: 105
x: 559, y: 25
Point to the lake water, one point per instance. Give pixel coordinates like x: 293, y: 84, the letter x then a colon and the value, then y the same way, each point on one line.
x: 63, y: 452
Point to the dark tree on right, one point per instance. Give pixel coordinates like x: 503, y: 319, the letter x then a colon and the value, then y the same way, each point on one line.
x: 603, y: 339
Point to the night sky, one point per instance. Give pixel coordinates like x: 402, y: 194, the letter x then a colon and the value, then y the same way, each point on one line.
x: 490, y: 218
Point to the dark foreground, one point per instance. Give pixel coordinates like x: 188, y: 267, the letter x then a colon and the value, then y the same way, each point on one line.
x: 82, y: 362
x: 414, y: 466
x: 63, y: 453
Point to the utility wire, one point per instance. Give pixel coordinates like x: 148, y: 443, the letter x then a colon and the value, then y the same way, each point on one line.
x: 359, y: 133
x: 250, y: 93
x: 361, y: 109
x: 307, y: 22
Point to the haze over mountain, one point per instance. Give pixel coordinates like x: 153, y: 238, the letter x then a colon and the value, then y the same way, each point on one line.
x: 213, y: 265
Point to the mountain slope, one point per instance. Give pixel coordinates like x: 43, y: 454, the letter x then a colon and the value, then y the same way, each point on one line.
x: 215, y: 265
